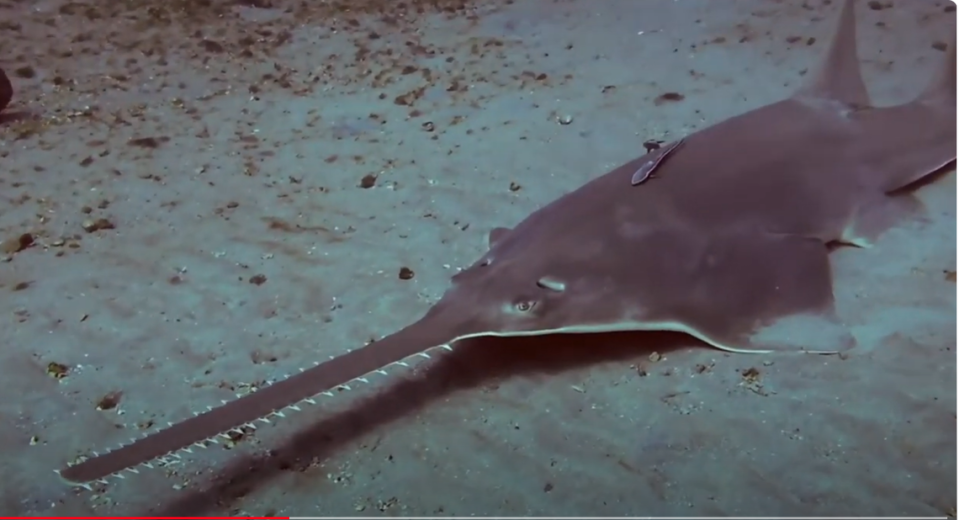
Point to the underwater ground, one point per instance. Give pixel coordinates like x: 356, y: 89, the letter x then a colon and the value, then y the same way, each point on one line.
x: 219, y: 193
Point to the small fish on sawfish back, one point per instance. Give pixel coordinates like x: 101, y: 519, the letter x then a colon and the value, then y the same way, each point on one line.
x: 645, y: 172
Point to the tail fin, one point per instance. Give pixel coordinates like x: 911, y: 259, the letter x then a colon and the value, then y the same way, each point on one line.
x: 838, y: 77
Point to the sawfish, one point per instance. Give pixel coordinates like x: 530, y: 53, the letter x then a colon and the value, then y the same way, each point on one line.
x: 727, y: 243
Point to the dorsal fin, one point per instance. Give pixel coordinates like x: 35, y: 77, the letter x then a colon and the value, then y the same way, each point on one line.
x: 942, y: 88
x: 838, y: 77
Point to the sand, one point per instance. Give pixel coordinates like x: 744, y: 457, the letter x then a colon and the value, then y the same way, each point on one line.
x: 225, y: 148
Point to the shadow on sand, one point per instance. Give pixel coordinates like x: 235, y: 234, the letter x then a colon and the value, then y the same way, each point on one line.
x: 470, y: 365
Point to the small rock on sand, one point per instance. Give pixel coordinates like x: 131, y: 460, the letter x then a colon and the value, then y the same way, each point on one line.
x: 6, y: 90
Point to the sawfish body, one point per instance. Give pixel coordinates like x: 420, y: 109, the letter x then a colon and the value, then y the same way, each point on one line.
x: 723, y: 238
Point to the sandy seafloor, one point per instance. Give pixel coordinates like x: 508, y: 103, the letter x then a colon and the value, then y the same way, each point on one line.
x: 265, y: 116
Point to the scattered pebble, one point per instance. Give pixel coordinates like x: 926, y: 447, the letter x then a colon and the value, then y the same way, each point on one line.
x: 384, y: 505
x: 669, y: 97
x: 258, y: 279
x: 751, y: 374
x: 368, y: 181
x: 751, y: 381
x: 25, y: 72
x: 655, y: 357
x: 17, y: 244
x: 109, y: 401
x: 564, y: 119
x: 212, y: 46
x: 406, y: 273
x: 94, y: 225
x: 57, y: 370
x: 514, y: 186
x: 235, y: 438
x: 6, y: 90
x: 259, y: 357
x: 652, y: 144
x: 148, y: 142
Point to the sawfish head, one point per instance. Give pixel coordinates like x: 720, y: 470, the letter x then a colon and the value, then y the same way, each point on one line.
x: 517, y: 290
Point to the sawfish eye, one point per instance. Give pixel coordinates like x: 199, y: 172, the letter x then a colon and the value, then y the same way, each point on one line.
x: 524, y: 305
